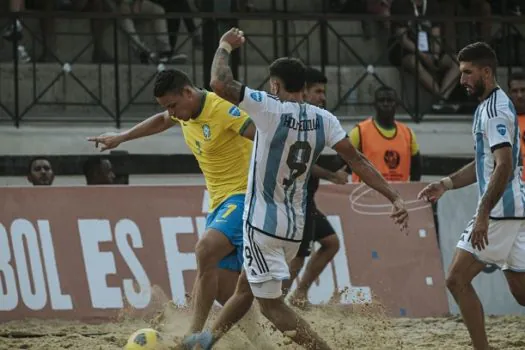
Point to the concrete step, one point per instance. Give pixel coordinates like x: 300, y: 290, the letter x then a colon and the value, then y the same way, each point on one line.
x: 453, y: 138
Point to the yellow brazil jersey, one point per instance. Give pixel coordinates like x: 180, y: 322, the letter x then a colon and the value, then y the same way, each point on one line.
x: 223, y: 154
x: 355, y: 138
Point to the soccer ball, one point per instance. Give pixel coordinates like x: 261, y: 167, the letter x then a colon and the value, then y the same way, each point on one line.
x: 144, y: 339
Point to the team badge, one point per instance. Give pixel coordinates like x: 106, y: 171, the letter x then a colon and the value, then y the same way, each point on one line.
x: 235, y: 112
x: 501, y: 129
x: 206, y: 132
x: 256, y: 96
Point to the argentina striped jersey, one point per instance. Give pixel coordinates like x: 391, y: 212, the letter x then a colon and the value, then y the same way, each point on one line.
x: 496, y: 125
x: 290, y: 137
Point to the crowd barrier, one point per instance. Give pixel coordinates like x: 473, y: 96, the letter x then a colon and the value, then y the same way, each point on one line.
x: 86, y: 252
x: 455, y: 210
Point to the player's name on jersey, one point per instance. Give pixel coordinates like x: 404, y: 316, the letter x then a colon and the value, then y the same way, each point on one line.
x: 301, y: 125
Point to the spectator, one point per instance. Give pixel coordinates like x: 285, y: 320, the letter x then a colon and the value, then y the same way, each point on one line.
x: 97, y: 27
x: 437, y: 71
x: 390, y: 146
x: 517, y: 94
x: 13, y: 31
x: 164, y: 52
x: 177, y: 6
x: 98, y: 171
x: 40, y: 172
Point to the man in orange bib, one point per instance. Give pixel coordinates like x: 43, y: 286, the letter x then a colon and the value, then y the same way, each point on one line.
x: 517, y: 95
x: 390, y: 146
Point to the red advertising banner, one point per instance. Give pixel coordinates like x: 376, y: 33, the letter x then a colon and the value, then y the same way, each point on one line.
x: 84, y: 252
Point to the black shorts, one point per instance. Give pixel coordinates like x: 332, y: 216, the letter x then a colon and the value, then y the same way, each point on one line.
x: 316, y: 227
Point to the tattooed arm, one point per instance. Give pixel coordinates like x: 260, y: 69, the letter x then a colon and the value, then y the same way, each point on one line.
x: 222, y: 81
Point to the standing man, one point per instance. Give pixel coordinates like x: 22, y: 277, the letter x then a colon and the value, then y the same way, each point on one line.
x: 495, y: 235
x: 316, y: 227
x: 390, y: 146
x: 517, y: 94
x: 290, y: 137
x: 40, y: 172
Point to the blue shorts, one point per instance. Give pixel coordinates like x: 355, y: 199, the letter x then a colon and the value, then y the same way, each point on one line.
x: 227, y: 219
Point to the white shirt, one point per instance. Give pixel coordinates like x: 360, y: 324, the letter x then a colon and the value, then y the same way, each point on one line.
x: 290, y: 137
x: 496, y: 125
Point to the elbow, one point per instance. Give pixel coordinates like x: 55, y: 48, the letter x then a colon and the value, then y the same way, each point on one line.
x: 217, y: 86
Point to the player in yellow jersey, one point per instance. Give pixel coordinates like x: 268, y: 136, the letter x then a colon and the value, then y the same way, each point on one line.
x: 218, y: 133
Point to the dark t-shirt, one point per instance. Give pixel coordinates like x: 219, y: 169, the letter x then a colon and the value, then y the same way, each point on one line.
x: 406, y: 8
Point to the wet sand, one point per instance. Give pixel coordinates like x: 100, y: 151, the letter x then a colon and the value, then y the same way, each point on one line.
x: 363, y: 328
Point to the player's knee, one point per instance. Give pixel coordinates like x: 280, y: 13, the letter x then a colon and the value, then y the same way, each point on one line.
x: 455, y: 282
x: 331, y: 244
x: 520, y: 298
x: 204, y: 253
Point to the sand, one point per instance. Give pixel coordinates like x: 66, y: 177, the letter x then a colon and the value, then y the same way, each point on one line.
x: 363, y: 328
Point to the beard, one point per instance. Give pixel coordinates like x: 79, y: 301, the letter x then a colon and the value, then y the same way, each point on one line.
x: 477, y: 90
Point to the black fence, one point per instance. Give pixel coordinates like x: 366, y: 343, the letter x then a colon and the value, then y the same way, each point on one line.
x: 67, y: 86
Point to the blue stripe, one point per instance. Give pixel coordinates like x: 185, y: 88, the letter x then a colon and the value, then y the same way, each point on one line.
x: 480, y: 152
x: 286, y: 192
x: 320, y: 139
x: 509, y: 207
x: 301, y: 136
x: 251, y: 208
x: 275, y: 155
x: 508, y: 201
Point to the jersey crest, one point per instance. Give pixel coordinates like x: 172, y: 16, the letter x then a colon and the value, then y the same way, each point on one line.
x: 206, y: 132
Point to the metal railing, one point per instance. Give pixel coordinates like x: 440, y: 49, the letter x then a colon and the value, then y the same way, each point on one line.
x: 119, y: 90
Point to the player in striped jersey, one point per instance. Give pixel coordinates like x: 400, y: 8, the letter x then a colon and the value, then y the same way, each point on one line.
x: 290, y: 136
x: 496, y: 234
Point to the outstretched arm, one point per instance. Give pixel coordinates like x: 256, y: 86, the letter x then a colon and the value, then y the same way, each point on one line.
x: 222, y: 81
x: 463, y: 177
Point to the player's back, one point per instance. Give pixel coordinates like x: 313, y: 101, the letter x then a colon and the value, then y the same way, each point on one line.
x: 223, y: 154
x: 290, y: 137
x: 495, y: 125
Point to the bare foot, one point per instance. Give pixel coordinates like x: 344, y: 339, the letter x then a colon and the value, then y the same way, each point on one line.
x: 299, y: 300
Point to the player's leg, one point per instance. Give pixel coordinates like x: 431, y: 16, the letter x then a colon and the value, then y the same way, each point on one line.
x: 516, y: 281
x: 272, y: 260
x: 228, y: 279
x: 219, y: 248
x: 233, y: 310
x: 468, y: 263
x: 326, y: 236
x: 295, y: 267
x: 462, y: 271
x: 305, y: 249
x: 515, y: 269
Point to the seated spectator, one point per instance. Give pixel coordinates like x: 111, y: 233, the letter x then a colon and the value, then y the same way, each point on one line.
x: 13, y: 31
x: 437, y: 71
x: 98, y: 171
x: 389, y: 145
x: 40, y: 172
x: 164, y: 52
x: 97, y: 26
x: 177, y: 6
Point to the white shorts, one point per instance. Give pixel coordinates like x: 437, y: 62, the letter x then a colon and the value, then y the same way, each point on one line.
x: 506, y: 244
x: 266, y: 262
